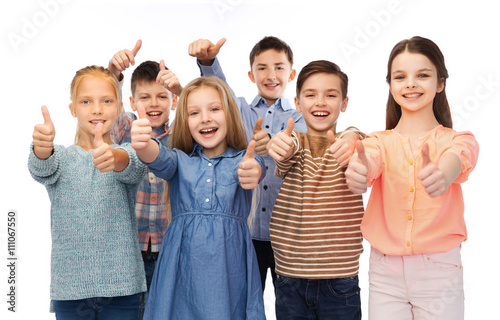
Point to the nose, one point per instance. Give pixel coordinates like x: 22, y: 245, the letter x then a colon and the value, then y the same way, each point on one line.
x: 272, y: 74
x: 97, y: 108
x: 411, y: 83
x: 205, y: 117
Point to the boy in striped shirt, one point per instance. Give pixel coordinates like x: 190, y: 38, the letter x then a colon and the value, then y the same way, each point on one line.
x: 315, y: 224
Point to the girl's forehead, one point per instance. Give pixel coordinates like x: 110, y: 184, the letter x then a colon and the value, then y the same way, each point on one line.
x: 411, y: 61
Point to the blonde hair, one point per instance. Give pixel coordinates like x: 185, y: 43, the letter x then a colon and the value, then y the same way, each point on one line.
x: 92, y: 71
x: 181, y: 136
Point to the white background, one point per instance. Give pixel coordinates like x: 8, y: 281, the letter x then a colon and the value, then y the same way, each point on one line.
x: 44, y: 42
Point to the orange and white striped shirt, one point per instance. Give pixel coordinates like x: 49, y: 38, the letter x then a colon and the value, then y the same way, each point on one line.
x: 315, y: 224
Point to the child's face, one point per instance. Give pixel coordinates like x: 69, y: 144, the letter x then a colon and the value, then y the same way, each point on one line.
x: 271, y: 71
x: 207, y: 120
x: 321, y: 102
x: 414, y: 81
x: 156, y: 100
x: 95, y: 102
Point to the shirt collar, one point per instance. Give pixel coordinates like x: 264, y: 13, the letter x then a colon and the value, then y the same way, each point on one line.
x: 285, y: 104
x: 161, y: 131
x: 229, y: 153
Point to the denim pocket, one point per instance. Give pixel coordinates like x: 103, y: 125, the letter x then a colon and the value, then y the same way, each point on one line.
x: 446, y: 261
x: 346, y: 288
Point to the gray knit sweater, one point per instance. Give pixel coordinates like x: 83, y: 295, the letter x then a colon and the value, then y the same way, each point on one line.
x: 95, y: 249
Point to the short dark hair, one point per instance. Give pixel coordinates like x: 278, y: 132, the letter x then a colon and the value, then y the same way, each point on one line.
x: 145, y: 72
x: 268, y: 43
x: 322, y: 66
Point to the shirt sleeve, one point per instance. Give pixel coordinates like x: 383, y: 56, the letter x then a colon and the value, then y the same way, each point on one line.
x: 135, y: 170
x: 465, y: 146
x: 282, y: 167
x: 165, y: 165
x: 46, y: 171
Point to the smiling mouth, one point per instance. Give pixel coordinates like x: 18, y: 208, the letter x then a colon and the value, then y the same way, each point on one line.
x: 412, y: 95
x: 208, y: 131
x: 154, y: 113
x: 321, y: 114
x: 272, y: 85
x: 97, y: 121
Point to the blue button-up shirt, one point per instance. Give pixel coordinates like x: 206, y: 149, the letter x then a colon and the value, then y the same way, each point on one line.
x: 275, y: 119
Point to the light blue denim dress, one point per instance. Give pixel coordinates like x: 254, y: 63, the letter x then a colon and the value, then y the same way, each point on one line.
x: 207, y: 267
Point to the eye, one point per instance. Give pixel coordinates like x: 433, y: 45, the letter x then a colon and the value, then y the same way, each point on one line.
x: 423, y: 75
x: 85, y: 101
x: 399, y: 77
x: 107, y: 101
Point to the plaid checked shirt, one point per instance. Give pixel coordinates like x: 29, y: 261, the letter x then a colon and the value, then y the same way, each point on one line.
x: 152, y: 207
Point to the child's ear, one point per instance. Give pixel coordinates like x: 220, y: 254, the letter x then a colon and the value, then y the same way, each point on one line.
x: 132, y: 103
x: 297, y: 105
x: 292, y: 75
x: 72, y: 110
x: 440, y: 85
x: 174, y: 102
x: 250, y: 75
x: 344, y: 104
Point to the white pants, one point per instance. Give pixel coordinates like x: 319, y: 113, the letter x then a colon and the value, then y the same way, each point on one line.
x: 419, y: 287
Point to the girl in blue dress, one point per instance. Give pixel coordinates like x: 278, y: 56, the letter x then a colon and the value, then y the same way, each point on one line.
x: 207, y: 267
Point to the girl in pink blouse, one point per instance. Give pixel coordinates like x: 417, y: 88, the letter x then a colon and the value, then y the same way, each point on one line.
x: 414, y: 218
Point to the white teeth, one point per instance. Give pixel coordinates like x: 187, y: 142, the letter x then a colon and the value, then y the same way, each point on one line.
x: 320, y: 114
x: 413, y: 95
x: 208, y: 130
x: 97, y: 121
x: 154, y: 113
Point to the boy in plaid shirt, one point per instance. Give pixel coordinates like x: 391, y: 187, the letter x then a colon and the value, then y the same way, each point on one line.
x: 155, y: 88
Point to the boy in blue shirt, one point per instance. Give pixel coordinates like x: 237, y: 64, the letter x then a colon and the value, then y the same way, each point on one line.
x: 271, y: 61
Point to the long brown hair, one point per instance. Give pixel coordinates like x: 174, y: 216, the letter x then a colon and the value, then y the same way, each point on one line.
x: 181, y: 136
x: 440, y: 104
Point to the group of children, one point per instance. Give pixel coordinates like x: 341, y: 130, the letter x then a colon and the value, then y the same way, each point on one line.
x: 235, y: 188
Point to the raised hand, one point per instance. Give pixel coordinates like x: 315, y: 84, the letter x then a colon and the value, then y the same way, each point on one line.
x: 249, y: 169
x: 341, y: 149
x: 261, y: 138
x: 104, y: 157
x: 280, y: 147
x: 357, y: 172
x: 140, y: 133
x: 433, y: 178
x: 123, y: 59
x: 43, y: 136
x: 204, y: 50
x: 168, y: 80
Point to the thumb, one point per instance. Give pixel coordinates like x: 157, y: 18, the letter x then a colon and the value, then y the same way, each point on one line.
x: 141, y: 112
x: 360, y: 148
x: 220, y: 43
x: 258, y: 125
x: 137, y: 47
x: 250, y: 151
x: 330, y: 136
x: 426, y: 159
x: 46, y: 115
x: 98, y: 135
x: 289, y: 127
x: 162, y: 65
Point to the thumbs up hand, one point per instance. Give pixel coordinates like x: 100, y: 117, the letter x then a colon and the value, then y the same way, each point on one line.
x: 123, y: 59
x: 43, y: 136
x: 341, y: 149
x: 205, y: 51
x: 433, y: 179
x: 261, y: 138
x: 249, y: 169
x: 168, y: 80
x: 140, y: 133
x: 357, y: 172
x: 280, y: 147
x: 104, y: 157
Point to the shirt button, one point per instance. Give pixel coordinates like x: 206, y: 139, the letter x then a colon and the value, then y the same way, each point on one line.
x: 209, y: 164
x: 153, y: 198
x: 412, y: 189
x: 265, y: 187
x: 152, y: 224
x: 207, y: 200
x: 408, y: 244
x: 411, y: 162
x: 410, y: 217
x: 263, y: 209
x: 208, y: 180
x: 267, y: 127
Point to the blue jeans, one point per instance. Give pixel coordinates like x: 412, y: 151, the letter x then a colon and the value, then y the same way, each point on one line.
x: 317, y: 298
x: 149, y: 268
x: 106, y: 308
